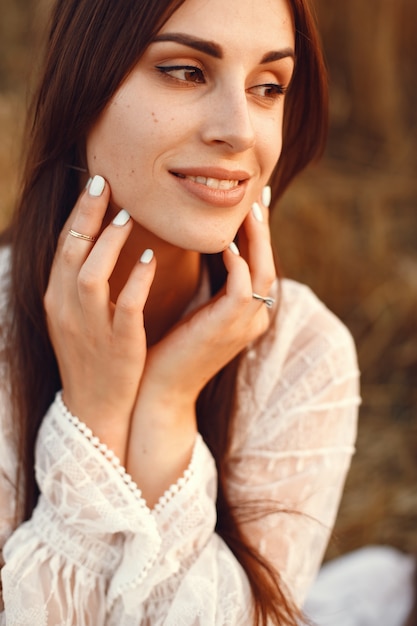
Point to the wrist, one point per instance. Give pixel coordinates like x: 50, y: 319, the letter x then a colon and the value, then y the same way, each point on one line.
x: 160, y: 446
x: 99, y: 423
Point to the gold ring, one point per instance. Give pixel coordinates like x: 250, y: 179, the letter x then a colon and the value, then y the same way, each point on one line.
x: 74, y: 233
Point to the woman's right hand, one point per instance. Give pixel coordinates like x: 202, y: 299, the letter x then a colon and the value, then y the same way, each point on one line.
x: 100, y: 346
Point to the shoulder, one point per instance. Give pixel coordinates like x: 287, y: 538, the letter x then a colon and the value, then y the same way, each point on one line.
x: 5, y: 260
x: 5, y: 278
x: 5, y: 266
x: 306, y: 321
x: 306, y: 357
x: 6, y: 426
x: 8, y: 462
x: 302, y: 329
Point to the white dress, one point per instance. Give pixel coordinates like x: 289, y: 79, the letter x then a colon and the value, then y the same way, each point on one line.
x: 94, y: 554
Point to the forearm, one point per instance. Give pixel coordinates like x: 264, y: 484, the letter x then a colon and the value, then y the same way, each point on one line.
x: 59, y: 563
x: 162, y: 439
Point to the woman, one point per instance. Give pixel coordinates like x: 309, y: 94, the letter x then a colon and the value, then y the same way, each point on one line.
x: 141, y: 282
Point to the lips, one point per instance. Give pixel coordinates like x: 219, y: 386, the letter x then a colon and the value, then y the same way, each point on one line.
x: 213, y: 185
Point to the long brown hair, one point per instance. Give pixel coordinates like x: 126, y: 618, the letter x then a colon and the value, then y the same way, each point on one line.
x: 92, y: 47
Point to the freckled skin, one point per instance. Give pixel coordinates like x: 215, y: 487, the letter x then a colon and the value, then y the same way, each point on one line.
x: 219, y: 122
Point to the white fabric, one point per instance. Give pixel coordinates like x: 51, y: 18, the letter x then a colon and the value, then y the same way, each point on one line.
x: 93, y: 553
x: 372, y: 586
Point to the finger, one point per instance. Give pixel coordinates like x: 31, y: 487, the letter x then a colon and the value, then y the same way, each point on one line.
x: 85, y: 218
x: 94, y: 275
x: 259, y: 250
x: 238, y: 282
x: 128, y: 312
x: 85, y: 222
x: 247, y: 310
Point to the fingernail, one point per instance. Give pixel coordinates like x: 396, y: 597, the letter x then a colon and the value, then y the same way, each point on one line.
x: 96, y: 186
x: 121, y: 218
x: 266, y: 196
x: 147, y: 256
x: 88, y: 182
x: 257, y: 212
x: 233, y: 248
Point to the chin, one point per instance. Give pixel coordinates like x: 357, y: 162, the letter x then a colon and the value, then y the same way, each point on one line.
x: 209, y: 247
x: 210, y: 241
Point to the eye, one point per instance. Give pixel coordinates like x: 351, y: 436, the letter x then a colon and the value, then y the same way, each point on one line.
x: 184, y: 73
x: 269, y: 90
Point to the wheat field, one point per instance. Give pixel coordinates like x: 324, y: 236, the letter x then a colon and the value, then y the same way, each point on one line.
x: 347, y: 228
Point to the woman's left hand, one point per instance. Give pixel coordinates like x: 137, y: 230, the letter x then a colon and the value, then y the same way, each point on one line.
x: 178, y: 367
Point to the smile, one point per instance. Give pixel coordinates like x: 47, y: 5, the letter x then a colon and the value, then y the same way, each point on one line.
x: 213, y: 183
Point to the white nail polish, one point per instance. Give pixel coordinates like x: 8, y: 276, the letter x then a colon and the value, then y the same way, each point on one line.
x: 96, y: 187
x: 233, y: 248
x: 266, y: 196
x: 121, y: 218
x: 88, y: 182
x: 147, y: 256
x: 257, y: 212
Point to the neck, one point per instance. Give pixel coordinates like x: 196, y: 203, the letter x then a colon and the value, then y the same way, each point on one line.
x: 176, y: 280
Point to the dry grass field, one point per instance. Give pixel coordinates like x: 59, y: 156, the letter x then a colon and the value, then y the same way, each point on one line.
x: 353, y: 239
x: 348, y: 228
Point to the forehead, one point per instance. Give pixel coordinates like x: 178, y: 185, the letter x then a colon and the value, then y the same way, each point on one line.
x: 236, y: 24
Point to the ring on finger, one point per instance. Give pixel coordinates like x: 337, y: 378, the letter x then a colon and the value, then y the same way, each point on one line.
x: 269, y: 302
x: 78, y: 235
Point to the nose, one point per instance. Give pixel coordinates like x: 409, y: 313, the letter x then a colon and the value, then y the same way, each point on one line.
x: 228, y: 120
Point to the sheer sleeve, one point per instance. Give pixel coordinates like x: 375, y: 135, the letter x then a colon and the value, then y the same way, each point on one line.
x: 94, y: 553
x: 59, y: 563
x: 295, y: 434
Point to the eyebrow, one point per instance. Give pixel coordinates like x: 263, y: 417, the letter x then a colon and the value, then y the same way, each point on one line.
x: 208, y: 47
x: 214, y: 50
x: 277, y: 55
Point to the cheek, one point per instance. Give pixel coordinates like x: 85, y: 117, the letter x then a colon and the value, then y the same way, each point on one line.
x: 128, y: 136
x: 270, y: 151
x: 269, y: 141
x: 115, y: 144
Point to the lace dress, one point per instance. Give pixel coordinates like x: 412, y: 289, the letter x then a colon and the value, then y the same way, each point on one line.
x: 93, y: 553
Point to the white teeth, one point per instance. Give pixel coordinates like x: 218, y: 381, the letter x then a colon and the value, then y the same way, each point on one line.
x: 227, y: 184
x: 214, y: 183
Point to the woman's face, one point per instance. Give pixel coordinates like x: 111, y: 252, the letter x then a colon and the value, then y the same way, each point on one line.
x: 191, y: 137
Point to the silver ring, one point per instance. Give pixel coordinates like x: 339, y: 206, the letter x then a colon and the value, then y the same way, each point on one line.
x: 268, y: 301
x: 74, y: 233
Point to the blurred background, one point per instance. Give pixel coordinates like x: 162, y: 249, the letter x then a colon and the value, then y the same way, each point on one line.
x: 347, y: 228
